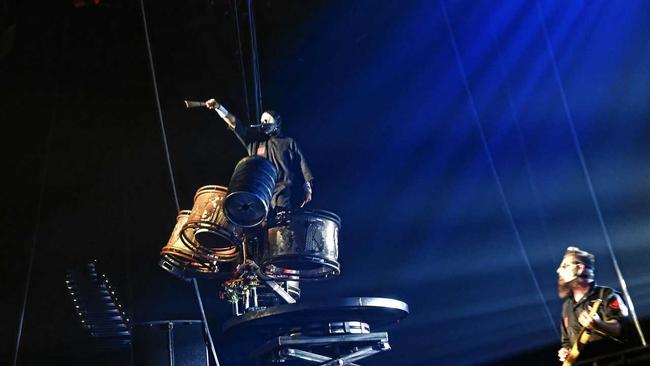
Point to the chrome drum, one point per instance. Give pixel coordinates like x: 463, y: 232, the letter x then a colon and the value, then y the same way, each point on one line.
x: 302, y: 245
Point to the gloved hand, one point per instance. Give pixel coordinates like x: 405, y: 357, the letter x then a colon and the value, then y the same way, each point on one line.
x: 213, y: 104
x: 308, y: 190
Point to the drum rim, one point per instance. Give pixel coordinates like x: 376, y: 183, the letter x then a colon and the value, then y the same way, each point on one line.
x: 331, y: 216
x: 184, y: 272
x: 210, y: 188
x: 232, y: 237
x: 183, y: 213
x: 329, y: 268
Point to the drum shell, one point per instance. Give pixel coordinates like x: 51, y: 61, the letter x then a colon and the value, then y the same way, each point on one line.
x: 208, y: 231
x: 250, y: 191
x: 302, y: 245
x: 183, y: 262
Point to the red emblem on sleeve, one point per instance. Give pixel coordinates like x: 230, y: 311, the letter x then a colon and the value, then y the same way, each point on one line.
x: 614, y: 304
x: 566, y: 322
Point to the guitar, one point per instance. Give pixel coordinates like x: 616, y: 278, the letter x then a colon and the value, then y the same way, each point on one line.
x: 583, y: 338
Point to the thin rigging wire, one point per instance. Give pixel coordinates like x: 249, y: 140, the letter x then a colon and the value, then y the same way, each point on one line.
x: 171, y: 175
x: 585, y: 171
x: 539, y: 208
x: 488, y: 153
x: 241, y: 61
x: 158, y: 108
x: 256, y: 66
x: 41, y: 193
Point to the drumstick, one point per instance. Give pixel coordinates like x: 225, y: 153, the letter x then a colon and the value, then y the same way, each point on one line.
x: 243, y: 247
x: 194, y: 104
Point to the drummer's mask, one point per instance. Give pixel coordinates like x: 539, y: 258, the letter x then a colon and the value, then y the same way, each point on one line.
x: 271, y: 122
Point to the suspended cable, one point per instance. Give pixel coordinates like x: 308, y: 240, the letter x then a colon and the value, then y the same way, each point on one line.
x: 241, y: 61
x: 158, y: 108
x: 257, y: 83
x: 488, y: 153
x: 41, y: 194
x: 206, y: 328
x: 37, y: 226
x: 585, y: 171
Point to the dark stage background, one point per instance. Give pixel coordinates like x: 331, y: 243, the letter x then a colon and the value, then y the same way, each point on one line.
x: 440, y: 132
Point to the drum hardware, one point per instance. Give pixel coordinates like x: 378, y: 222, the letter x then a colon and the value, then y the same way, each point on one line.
x: 242, y: 291
x: 266, y: 297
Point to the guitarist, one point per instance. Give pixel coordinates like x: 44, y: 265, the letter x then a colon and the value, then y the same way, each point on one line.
x: 576, y: 284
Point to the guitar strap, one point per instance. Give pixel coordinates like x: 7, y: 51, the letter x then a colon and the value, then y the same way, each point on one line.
x: 601, y: 293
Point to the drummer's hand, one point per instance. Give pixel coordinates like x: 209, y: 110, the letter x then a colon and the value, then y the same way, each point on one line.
x: 221, y: 111
x: 212, y: 104
x: 562, y: 353
x: 307, y: 188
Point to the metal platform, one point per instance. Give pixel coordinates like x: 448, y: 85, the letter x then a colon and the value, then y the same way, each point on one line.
x: 331, y: 332
x: 284, y: 319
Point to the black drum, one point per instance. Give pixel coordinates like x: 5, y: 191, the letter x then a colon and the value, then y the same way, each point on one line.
x: 250, y: 191
x: 302, y: 245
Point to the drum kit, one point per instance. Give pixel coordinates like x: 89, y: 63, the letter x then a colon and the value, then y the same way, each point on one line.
x: 228, y: 225
x: 261, y: 255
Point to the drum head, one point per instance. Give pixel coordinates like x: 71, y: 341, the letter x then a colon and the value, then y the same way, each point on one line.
x: 245, y: 209
x: 209, y: 239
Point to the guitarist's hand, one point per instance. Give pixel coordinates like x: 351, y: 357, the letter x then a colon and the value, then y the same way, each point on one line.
x: 588, y: 321
x: 562, y: 353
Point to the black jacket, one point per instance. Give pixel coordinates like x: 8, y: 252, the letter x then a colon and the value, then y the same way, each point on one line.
x: 285, y: 155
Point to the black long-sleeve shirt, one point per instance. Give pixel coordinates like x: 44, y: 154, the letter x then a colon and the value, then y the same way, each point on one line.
x: 612, y: 307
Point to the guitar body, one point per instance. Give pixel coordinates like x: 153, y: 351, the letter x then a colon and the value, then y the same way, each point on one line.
x: 583, y: 338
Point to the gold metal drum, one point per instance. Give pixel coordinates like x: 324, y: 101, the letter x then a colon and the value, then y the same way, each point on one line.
x: 302, y: 245
x: 207, y: 230
x: 177, y: 259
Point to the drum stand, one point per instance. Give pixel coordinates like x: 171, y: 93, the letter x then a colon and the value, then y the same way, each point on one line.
x: 301, y: 348
x: 249, y: 299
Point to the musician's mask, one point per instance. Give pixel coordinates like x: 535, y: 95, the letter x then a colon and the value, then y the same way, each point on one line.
x: 568, y: 269
x: 271, y: 122
x: 576, y: 263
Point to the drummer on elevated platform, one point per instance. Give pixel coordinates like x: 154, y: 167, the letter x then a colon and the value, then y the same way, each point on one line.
x: 269, y: 142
